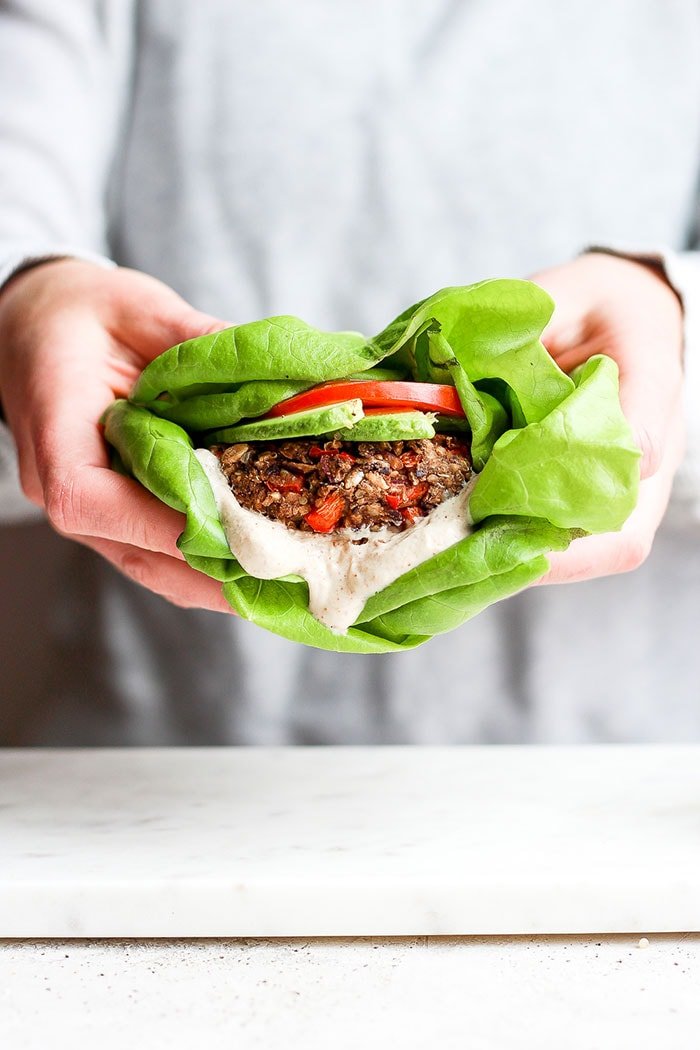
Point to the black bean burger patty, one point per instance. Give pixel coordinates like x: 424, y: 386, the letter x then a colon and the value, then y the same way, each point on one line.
x: 321, y: 486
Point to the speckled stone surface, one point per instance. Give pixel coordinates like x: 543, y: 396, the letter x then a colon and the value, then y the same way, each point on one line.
x: 337, y: 842
x: 592, y: 993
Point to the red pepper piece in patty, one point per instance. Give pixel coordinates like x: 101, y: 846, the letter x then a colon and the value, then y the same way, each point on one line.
x: 284, y: 482
x: 326, y: 514
x: 411, y: 514
x: 316, y: 452
x: 408, y: 495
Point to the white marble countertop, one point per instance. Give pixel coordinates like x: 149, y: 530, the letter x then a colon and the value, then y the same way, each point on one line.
x: 349, y: 841
x: 228, y: 842
x: 552, y: 993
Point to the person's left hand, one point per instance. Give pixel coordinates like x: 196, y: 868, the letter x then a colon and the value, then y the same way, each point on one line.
x: 628, y: 311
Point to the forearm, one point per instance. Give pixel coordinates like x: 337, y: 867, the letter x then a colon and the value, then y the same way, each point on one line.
x: 62, y: 75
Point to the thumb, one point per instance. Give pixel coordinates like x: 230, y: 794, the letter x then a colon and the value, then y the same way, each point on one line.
x: 185, y: 322
x: 567, y: 329
x: 154, y: 317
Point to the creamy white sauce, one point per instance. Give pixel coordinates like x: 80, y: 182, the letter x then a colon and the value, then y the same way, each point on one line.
x: 340, y: 572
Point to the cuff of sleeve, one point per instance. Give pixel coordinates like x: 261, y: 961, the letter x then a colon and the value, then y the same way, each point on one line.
x: 22, y: 257
x: 682, y: 271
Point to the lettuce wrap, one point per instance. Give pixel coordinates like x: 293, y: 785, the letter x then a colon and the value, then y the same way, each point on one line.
x: 554, y: 454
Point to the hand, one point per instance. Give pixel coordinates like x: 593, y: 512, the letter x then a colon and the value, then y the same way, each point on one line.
x: 73, y: 336
x: 628, y: 311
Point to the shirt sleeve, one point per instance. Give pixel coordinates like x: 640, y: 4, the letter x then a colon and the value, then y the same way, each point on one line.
x: 65, y: 71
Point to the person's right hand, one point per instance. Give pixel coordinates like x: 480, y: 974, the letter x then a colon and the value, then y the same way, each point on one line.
x: 73, y: 336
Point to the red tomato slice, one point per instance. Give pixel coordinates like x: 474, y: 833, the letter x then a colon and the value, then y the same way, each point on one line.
x: 393, y: 396
x: 389, y: 410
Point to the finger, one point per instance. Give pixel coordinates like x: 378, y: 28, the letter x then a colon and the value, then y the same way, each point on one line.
x: 650, y: 379
x: 572, y: 346
x: 594, y: 556
x: 153, y: 317
x: 567, y: 325
x: 99, y: 502
x: 649, y: 388
x: 81, y: 493
x: 650, y: 398
x: 26, y: 461
x: 174, y: 580
x: 644, y: 343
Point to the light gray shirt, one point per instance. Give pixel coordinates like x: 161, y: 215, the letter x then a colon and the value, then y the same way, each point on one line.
x: 339, y: 161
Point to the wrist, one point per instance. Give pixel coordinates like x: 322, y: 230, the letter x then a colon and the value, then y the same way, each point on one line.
x: 28, y: 271
x: 27, y: 258
x: 651, y: 263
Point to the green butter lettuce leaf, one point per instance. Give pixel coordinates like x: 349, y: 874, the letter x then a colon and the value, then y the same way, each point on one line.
x: 273, y: 349
x: 491, y: 564
x: 500, y: 545
x: 486, y: 415
x: 377, y: 374
x: 225, y: 409
x: 160, y: 455
x: 578, y: 467
x: 500, y: 342
x: 312, y: 422
x: 283, y: 607
x: 555, y: 456
x: 255, y: 398
x: 493, y: 330
x: 452, y: 425
x: 449, y: 609
x: 394, y: 426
